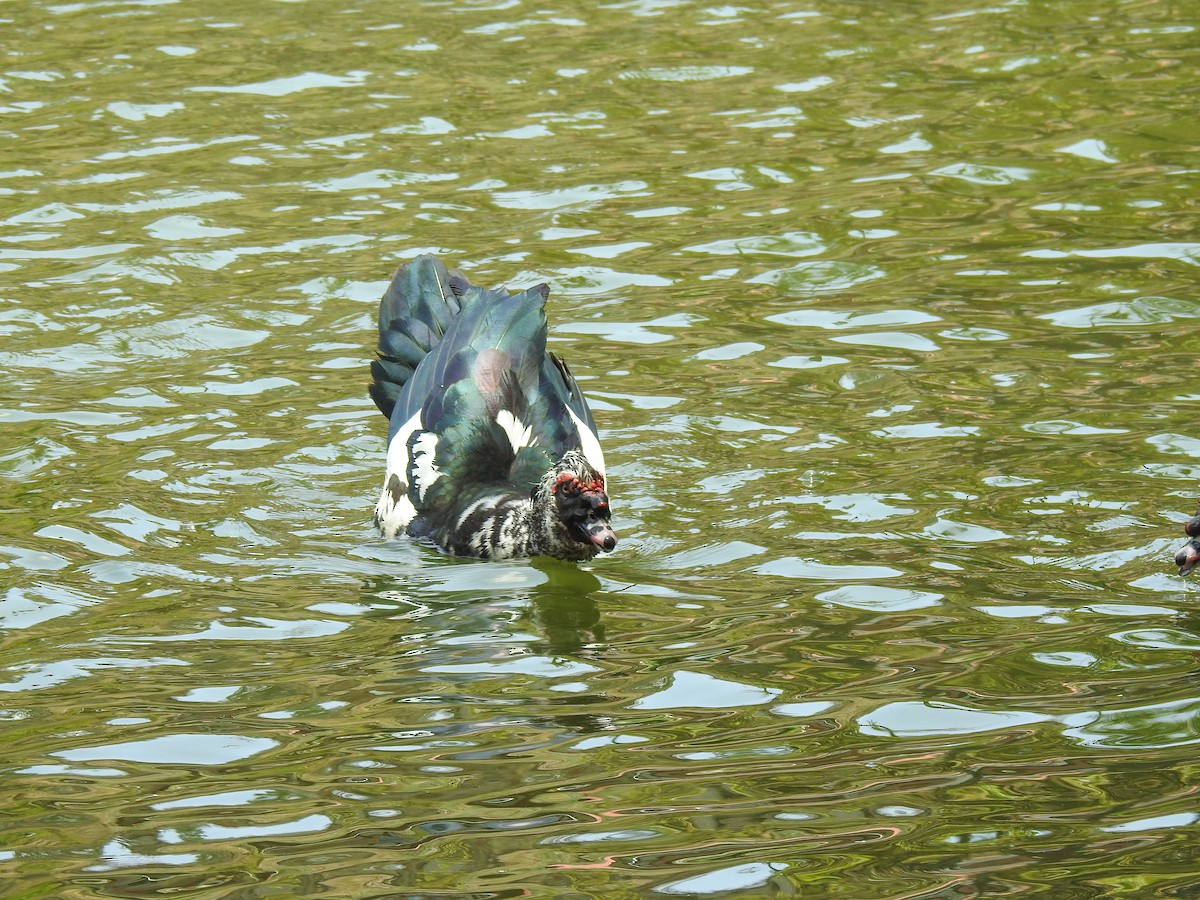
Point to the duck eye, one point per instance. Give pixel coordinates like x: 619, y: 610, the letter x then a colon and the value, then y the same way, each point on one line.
x: 566, y: 484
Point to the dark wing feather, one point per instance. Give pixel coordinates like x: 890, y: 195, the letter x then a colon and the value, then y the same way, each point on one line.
x: 556, y: 392
x: 416, y: 310
x: 574, y: 394
x: 487, y: 362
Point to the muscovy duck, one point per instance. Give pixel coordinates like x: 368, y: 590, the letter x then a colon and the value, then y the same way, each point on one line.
x: 492, y: 450
x: 1189, y: 554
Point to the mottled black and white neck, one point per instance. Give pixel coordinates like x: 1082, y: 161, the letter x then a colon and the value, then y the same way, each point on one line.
x: 492, y: 450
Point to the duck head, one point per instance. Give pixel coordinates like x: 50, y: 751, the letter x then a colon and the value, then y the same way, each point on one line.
x: 1188, y: 556
x: 580, y: 504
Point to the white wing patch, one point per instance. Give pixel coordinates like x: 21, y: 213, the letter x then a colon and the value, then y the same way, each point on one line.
x: 519, y: 435
x: 397, y: 455
x: 588, y: 443
x: 424, y: 468
x: 393, y: 514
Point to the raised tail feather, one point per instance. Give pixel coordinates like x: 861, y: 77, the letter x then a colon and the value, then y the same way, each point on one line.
x: 416, y: 310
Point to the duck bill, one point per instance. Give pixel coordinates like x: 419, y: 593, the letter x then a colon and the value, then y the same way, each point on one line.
x: 606, y: 539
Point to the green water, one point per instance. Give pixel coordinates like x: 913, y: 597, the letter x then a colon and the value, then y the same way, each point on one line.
x: 887, y: 312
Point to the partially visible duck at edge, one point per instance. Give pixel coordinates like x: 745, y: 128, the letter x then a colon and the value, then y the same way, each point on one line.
x: 492, y: 450
x: 1189, y: 554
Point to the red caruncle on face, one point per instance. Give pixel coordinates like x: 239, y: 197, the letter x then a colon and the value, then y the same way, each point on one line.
x: 572, y: 485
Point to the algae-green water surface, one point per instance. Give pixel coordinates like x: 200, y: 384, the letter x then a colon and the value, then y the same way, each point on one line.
x: 888, y: 315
